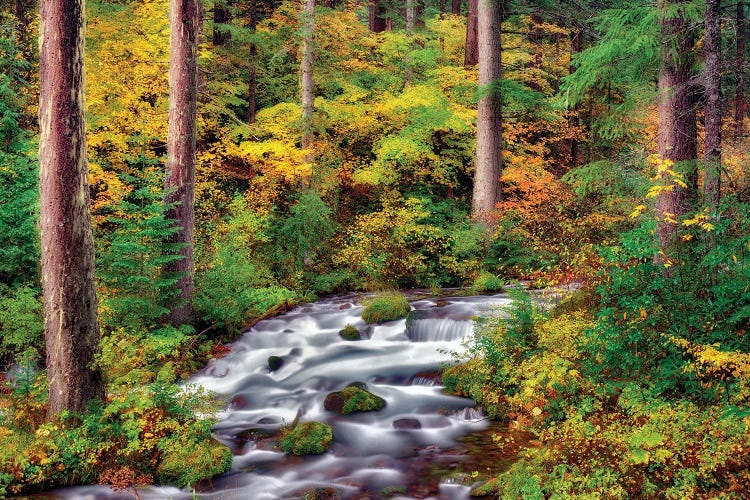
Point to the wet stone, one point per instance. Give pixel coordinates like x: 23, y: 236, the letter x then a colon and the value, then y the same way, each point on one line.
x: 275, y: 362
x: 407, y: 424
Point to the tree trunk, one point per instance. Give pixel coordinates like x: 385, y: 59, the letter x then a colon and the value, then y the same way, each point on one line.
x: 410, y: 15
x: 70, y: 304
x: 489, y: 155
x: 739, y: 63
x: 576, y: 45
x: 677, y: 127
x: 307, y: 83
x: 377, y: 16
x: 180, y: 175
x: 221, y: 16
x: 456, y: 7
x: 471, y: 54
x: 712, y: 152
x: 252, y: 81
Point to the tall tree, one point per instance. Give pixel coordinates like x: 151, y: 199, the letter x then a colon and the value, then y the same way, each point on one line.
x: 739, y: 68
x: 378, y: 12
x: 456, y: 7
x: 221, y: 15
x: 306, y: 75
x: 576, y: 45
x: 677, y: 124
x: 489, y: 159
x: 70, y: 303
x: 252, y: 80
x: 712, y: 151
x: 471, y: 53
x: 184, y: 21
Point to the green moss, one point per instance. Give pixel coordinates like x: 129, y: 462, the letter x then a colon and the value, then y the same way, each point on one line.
x: 187, y: 461
x: 385, y: 307
x: 487, y: 283
x: 307, y: 438
x: 353, y: 399
x: 350, y: 332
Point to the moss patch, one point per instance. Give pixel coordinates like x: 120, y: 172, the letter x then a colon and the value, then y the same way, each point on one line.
x: 385, y: 307
x: 487, y: 283
x: 353, y: 399
x: 307, y: 438
x: 350, y: 332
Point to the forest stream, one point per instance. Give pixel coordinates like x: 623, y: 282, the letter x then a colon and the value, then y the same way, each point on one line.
x: 419, y: 446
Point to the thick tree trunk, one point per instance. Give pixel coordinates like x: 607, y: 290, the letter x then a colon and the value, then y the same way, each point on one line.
x: 70, y: 304
x: 378, y: 21
x: 180, y: 175
x: 576, y: 45
x: 712, y: 152
x: 221, y: 16
x: 456, y: 7
x: 489, y: 155
x: 306, y: 73
x: 739, y: 63
x: 252, y: 81
x: 471, y: 55
x: 677, y: 127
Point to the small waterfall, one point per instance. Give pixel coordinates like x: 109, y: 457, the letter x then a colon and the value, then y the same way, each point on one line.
x: 469, y: 415
x: 438, y: 330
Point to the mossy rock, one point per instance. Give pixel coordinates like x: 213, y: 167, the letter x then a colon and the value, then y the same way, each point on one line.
x: 350, y: 332
x: 275, y: 362
x: 385, y: 307
x: 487, y: 283
x: 353, y: 399
x: 308, y: 438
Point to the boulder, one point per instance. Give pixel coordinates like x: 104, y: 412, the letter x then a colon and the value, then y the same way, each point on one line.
x: 307, y: 438
x: 350, y: 332
x: 353, y: 399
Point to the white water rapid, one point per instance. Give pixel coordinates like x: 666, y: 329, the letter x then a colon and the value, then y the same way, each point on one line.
x: 370, y: 457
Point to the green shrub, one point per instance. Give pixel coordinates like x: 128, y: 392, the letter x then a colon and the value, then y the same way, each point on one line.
x: 307, y: 438
x: 385, y: 307
x: 141, y: 435
x: 236, y: 283
x: 21, y: 326
x: 487, y: 283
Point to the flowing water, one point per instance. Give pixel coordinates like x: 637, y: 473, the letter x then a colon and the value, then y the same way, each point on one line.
x: 399, y: 452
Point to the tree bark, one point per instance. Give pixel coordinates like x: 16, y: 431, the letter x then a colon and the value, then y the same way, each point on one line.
x: 180, y: 174
x: 252, y: 81
x: 221, y: 15
x: 70, y: 304
x: 489, y: 154
x: 740, y: 106
x: 576, y: 45
x: 307, y: 83
x: 378, y: 19
x: 677, y: 126
x: 410, y: 16
x: 456, y: 7
x: 712, y: 151
x: 471, y: 54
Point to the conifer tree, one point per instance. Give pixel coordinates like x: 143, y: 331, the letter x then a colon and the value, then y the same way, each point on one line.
x: 70, y: 302
x: 712, y: 150
x: 677, y: 135
x: 181, y: 143
x: 489, y: 159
